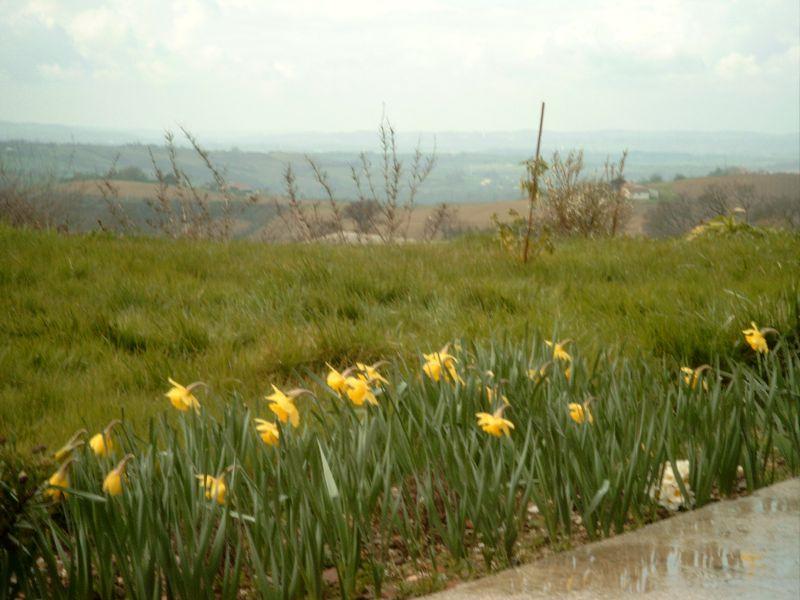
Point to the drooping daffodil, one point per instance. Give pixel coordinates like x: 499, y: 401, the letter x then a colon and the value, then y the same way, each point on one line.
x: 74, y: 442
x: 101, y: 443
x: 441, y: 365
x: 59, y: 479
x: 358, y: 391
x: 495, y: 424
x: 283, y: 405
x: 268, y: 432
x: 112, y: 484
x: 559, y: 352
x: 580, y: 413
x: 371, y: 372
x: 215, y: 488
x: 336, y: 380
x: 691, y: 377
x: 181, y: 397
x: 755, y: 338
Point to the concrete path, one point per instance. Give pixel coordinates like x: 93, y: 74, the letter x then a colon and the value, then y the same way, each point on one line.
x: 745, y: 548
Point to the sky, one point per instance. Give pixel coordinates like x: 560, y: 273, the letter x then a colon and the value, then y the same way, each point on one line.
x: 247, y: 66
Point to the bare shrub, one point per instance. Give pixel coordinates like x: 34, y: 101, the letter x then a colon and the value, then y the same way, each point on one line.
x: 383, y: 209
x: 669, y: 218
x: 442, y: 222
x: 577, y: 205
x: 305, y: 220
x: 34, y: 201
x: 678, y: 216
x: 363, y: 214
x: 109, y: 192
x: 778, y: 211
x: 395, y: 206
x: 179, y: 208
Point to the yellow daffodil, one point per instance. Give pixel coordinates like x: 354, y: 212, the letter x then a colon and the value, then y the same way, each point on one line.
x: 182, y: 397
x: 371, y: 371
x: 112, y: 484
x: 441, y: 363
x: 580, y: 413
x: 755, y: 338
x: 101, y: 443
x: 558, y: 350
x: 60, y: 479
x: 336, y: 380
x: 691, y: 377
x: 74, y: 442
x: 539, y: 374
x: 269, y: 432
x: 495, y: 424
x: 358, y: 391
x: 215, y: 488
x: 283, y: 407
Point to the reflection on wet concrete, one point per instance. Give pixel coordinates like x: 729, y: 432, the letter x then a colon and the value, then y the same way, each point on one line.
x: 748, y: 548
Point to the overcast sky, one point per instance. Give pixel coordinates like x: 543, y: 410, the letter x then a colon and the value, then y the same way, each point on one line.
x: 239, y: 66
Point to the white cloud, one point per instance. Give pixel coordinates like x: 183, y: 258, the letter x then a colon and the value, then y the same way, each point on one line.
x: 736, y: 65
x: 460, y: 64
x: 58, y: 72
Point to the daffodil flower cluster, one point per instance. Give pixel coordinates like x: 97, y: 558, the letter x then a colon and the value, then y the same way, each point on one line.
x: 101, y: 444
x: 441, y: 366
x: 359, y: 383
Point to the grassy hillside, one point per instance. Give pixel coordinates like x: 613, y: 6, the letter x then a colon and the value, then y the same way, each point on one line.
x: 93, y: 325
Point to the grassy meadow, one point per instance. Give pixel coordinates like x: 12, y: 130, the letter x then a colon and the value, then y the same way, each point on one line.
x: 455, y: 467
x: 93, y: 325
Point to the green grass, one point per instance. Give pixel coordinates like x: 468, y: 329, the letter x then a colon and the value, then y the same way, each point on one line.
x: 92, y: 325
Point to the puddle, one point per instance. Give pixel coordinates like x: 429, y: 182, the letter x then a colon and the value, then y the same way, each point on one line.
x: 749, y: 548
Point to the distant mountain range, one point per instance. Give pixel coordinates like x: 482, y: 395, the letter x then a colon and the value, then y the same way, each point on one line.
x: 471, y: 166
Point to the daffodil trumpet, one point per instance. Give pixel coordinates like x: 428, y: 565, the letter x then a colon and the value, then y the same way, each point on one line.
x: 580, y: 413
x: 74, y: 442
x: 214, y: 487
x: 441, y: 365
x: 559, y: 352
x: 494, y: 424
x: 58, y: 480
x: 359, y: 391
x: 181, y: 397
x: 754, y: 336
x: 338, y: 381
x: 268, y: 432
x: 282, y: 404
x: 101, y: 443
x: 112, y: 484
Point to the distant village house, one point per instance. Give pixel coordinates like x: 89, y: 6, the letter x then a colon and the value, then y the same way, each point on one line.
x: 634, y: 191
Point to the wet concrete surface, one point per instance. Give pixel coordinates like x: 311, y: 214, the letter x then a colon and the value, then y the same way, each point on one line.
x: 739, y: 549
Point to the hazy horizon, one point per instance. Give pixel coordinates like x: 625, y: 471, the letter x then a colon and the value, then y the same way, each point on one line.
x: 241, y: 67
